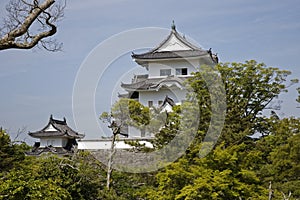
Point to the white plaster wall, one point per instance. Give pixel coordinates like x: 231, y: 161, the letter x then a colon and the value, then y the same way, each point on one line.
x: 43, y: 142
x: 177, y: 95
x: 55, y: 142
x: 205, y: 60
x: 154, y: 67
x: 106, y: 144
x: 96, y: 144
x: 64, y: 142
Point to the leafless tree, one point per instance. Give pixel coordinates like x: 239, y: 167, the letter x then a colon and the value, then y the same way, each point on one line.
x: 20, y: 133
x: 31, y: 23
x: 115, y: 125
x: 116, y: 130
x: 270, y: 191
x: 298, y: 99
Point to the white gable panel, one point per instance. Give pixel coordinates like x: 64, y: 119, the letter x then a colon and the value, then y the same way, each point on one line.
x: 173, y: 44
x: 50, y: 128
x: 167, y: 108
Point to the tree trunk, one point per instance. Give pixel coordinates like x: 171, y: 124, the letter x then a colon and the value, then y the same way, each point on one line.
x: 270, y: 191
x: 109, y: 165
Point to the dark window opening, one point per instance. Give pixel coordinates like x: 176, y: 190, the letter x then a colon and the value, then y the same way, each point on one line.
x: 160, y: 103
x: 181, y: 71
x: 135, y: 95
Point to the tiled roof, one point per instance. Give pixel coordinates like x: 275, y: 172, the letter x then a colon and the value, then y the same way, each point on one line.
x: 171, y: 54
x: 152, y: 83
x: 61, y: 129
x: 55, y: 150
x: 192, y: 51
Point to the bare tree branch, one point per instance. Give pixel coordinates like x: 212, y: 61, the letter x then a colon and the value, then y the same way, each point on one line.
x: 30, y: 24
x: 19, y: 133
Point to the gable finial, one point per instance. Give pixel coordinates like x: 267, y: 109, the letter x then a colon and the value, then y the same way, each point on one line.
x: 51, y: 116
x: 173, y: 25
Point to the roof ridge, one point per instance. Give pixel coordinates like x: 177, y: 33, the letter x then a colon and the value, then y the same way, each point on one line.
x: 64, y: 121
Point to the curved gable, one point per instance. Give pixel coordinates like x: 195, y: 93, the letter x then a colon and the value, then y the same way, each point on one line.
x: 50, y: 128
x: 173, y: 43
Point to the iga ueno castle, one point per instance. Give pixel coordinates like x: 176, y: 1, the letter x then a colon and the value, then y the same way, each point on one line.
x: 168, y: 66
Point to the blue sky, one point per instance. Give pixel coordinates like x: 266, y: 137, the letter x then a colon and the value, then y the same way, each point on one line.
x: 36, y: 83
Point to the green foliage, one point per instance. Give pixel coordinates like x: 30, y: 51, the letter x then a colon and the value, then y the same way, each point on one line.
x: 220, y: 175
x: 285, y: 166
x: 138, y: 113
x: 127, y: 112
x: 165, y: 132
x: 200, y: 83
x: 281, y: 150
x: 27, y: 183
x: 238, y: 167
x: 250, y: 88
x: 51, y: 177
x: 10, y: 153
x: 137, y: 146
x: 127, y: 185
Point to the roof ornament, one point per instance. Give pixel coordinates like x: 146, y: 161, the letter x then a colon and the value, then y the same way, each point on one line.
x: 213, y: 56
x: 173, y: 25
x: 51, y: 117
x: 209, y: 51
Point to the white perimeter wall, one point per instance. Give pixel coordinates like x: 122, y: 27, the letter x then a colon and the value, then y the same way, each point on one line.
x: 106, y: 144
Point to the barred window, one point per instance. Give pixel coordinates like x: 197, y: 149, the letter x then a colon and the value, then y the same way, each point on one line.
x: 165, y: 72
